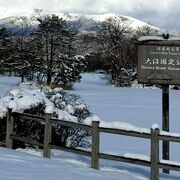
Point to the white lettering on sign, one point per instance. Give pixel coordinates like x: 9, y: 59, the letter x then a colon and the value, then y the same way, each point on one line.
x: 178, y: 62
x: 159, y: 63
x: 171, y: 62
x: 148, y: 61
x: 147, y: 67
x: 160, y: 68
x: 162, y: 62
x: 173, y: 69
x: 168, y: 49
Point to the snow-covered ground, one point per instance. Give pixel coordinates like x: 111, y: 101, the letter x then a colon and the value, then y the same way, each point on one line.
x: 17, y: 165
x: 7, y: 84
x: 140, y: 107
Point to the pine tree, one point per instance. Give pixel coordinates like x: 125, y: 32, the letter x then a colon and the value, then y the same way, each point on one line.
x: 22, y: 53
x: 57, y: 37
x: 6, y: 51
x: 68, y: 69
x: 51, y: 30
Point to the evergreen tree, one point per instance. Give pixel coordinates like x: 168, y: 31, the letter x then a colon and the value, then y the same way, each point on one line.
x: 43, y: 52
x: 68, y: 69
x: 51, y: 31
x: 22, y: 47
x: 57, y: 37
x: 6, y: 51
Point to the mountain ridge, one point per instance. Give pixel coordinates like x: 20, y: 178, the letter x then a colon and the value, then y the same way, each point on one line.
x: 13, y: 15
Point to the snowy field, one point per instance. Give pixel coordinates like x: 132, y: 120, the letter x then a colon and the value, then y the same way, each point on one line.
x: 17, y: 165
x: 140, y: 107
x: 7, y: 84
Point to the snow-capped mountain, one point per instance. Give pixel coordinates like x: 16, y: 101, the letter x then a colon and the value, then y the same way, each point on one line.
x: 10, y: 15
x: 134, y: 23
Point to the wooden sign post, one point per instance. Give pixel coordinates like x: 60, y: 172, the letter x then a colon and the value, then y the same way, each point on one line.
x: 159, y: 63
x: 165, y: 122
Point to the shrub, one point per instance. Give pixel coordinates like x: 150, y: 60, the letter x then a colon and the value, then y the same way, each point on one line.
x: 61, y: 135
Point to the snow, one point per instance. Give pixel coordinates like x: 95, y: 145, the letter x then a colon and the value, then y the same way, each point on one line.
x: 22, y: 166
x: 169, y: 134
x: 69, y: 109
x: 101, y: 17
x: 115, y: 125
x: 7, y: 84
x: 139, y: 107
x: 135, y: 23
x: 158, y: 38
x: 9, y: 12
x: 155, y: 126
x: 20, y: 99
x: 175, y: 38
x: 170, y: 162
x: 79, y: 56
x: 63, y: 115
x: 123, y: 126
x: 137, y: 156
x: 88, y: 120
x: 147, y: 38
x: 130, y: 109
x: 9, y: 15
x: 49, y: 109
x: 29, y: 95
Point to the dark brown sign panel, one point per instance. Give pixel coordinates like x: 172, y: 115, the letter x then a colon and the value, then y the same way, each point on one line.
x: 158, y: 64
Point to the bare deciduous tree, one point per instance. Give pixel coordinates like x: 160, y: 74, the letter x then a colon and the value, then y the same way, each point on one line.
x: 114, y: 37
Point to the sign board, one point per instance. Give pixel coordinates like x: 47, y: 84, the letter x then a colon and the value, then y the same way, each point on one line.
x: 158, y: 64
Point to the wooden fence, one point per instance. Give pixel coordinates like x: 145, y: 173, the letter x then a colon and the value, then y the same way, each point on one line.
x: 154, y: 136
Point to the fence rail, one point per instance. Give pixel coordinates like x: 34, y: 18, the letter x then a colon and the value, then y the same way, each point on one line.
x: 125, y: 132
x: 29, y: 117
x: 155, y: 136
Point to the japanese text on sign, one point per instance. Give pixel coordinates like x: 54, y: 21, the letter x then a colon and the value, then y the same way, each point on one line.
x: 158, y: 62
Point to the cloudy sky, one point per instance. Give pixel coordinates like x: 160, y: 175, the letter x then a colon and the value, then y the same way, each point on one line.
x: 164, y: 14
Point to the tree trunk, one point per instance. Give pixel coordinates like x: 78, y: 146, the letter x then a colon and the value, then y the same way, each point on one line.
x: 48, y: 61
x: 22, y: 77
x: 49, y: 76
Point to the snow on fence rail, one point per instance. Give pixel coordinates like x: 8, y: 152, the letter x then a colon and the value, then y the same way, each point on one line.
x: 154, y: 135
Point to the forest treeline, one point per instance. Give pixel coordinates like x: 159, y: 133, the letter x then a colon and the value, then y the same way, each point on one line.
x: 51, y: 49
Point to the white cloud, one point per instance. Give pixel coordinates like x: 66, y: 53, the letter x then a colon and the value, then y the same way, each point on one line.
x: 94, y: 6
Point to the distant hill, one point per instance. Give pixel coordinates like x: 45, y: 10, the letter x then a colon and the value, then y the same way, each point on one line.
x: 9, y: 16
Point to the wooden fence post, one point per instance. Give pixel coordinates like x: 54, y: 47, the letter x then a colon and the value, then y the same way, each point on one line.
x: 9, y: 128
x: 47, y: 136
x: 95, y: 145
x: 154, y: 154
